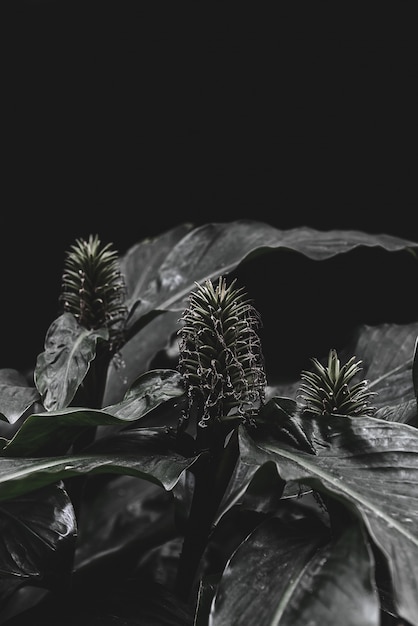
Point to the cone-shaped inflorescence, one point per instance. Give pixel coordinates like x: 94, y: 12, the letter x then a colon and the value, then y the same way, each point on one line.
x: 93, y: 289
x: 327, y: 389
x: 220, y: 358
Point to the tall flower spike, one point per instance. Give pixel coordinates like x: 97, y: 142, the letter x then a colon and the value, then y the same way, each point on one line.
x: 220, y: 357
x: 93, y: 289
x: 327, y: 390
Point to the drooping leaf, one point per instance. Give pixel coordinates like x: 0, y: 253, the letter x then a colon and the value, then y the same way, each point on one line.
x: 61, y: 368
x: 371, y: 466
x: 16, y: 396
x: 177, y: 260
x: 52, y: 432
x: 143, y: 452
x: 294, y: 579
x: 35, y: 528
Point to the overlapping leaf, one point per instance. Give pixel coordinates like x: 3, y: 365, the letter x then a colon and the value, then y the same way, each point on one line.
x: 293, y: 578
x: 52, y: 432
x: 49, y: 516
x: 147, y: 453
x: 372, y: 467
x: 161, y: 273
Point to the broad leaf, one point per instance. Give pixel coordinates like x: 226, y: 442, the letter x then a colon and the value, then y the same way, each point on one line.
x: 160, y: 275
x: 290, y: 578
x: 52, y: 432
x: 143, y: 452
x: 61, y: 368
x: 35, y: 528
x: 372, y: 467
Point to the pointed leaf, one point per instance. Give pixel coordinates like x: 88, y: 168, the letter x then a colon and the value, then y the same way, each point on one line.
x: 288, y: 579
x: 217, y: 248
x: 141, y: 452
x: 372, y: 466
x: 52, y: 432
x: 61, y: 368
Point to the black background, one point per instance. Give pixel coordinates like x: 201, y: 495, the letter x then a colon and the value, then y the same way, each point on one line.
x: 128, y: 118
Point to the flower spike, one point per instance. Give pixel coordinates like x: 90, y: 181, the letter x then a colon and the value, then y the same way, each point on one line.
x: 326, y: 390
x: 93, y: 289
x: 220, y: 358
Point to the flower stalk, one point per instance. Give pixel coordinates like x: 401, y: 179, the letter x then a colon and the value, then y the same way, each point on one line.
x: 222, y: 366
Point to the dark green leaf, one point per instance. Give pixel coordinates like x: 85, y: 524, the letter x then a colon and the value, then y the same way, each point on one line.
x: 61, y: 368
x: 34, y: 527
x: 52, y: 432
x: 142, y: 452
x: 371, y: 466
x: 290, y: 579
x: 161, y: 273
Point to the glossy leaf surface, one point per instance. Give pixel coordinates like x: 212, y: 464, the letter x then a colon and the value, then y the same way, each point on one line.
x: 289, y: 579
x: 52, y: 432
x: 372, y: 467
x: 33, y: 527
x: 142, y: 452
x: 161, y: 275
x: 60, y: 369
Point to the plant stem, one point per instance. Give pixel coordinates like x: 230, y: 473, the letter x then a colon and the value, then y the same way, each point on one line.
x: 211, y: 480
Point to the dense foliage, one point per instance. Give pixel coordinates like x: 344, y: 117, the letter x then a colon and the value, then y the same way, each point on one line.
x: 162, y: 464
